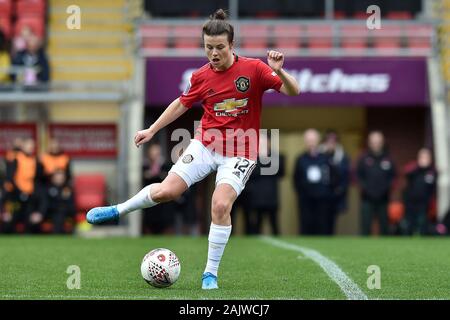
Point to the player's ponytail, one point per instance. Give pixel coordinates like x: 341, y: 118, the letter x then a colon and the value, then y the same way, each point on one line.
x: 218, y: 25
x: 219, y: 15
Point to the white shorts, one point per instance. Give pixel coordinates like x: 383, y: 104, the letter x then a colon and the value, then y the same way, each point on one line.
x: 197, y: 162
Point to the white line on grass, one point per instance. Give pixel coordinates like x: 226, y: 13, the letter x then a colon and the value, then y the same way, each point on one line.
x: 348, y: 287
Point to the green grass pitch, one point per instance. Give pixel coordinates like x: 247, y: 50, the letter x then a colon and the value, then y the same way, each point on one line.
x: 34, y: 267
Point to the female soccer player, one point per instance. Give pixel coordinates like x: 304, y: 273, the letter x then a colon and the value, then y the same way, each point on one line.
x: 230, y: 89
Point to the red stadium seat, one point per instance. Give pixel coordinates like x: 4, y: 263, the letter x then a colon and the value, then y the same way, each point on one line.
x: 399, y: 15
x: 5, y: 8
x: 338, y: 14
x: 5, y: 27
x: 361, y: 15
x: 287, y: 36
x: 36, y: 24
x: 187, y: 37
x: 30, y: 8
x: 268, y: 14
x: 155, y: 37
x: 388, y: 39
x: 387, y: 46
x: 319, y: 37
x: 418, y: 37
x: 354, y: 45
x: 90, y: 191
x: 254, y: 36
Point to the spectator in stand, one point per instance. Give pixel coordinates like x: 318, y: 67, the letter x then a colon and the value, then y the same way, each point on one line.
x: 33, y: 60
x: 375, y: 174
x: 56, y: 159
x: 10, y: 194
x: 59, y: 202
x: 340, y: 177
x: 161, y: 219
x: 25, y: 174
x: 264, y: 187
x: 312, y: 181
x: 418, y: 193
x: 5, y: 61
x: 20, y: 40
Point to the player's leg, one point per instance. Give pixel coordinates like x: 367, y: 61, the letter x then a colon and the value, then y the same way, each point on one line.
x: 219, y: 232
x: 191, y: 167
x: 170, y: 188
x: 228, y: 187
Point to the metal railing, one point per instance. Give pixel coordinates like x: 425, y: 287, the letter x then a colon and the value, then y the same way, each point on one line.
x: 339, y: 32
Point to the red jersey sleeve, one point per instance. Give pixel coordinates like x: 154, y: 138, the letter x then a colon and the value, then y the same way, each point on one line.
x: 269, y: 79
x: 192, y: 93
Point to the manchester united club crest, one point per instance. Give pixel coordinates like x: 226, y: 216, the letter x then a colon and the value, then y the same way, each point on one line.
x: 188, y: 158
x: 242, y: 84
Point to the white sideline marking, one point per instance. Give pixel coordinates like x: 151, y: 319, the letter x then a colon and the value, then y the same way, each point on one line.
x: 81, y: 297
x: 348, y: 287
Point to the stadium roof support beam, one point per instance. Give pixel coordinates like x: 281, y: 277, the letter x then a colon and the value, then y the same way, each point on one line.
x: 441, y: 133
x: 134, y: 116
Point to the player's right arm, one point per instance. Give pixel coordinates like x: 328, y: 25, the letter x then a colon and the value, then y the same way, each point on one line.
x: 172, y: 112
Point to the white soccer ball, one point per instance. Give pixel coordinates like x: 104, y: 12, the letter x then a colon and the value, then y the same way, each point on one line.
x: 160, y: 268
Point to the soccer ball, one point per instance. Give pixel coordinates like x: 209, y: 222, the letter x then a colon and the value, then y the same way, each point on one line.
x: 160, y: 268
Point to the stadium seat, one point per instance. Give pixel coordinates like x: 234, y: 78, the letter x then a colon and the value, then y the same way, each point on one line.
x: 187, y: 37
x: 35, y: 23
x: 339, y: 14
x: 355, y: 38
x: 90, y: 191
x: 267, y: 14
x: 319, y: 37
x: 287, y: 36
x: 418, y: 37
x: 388, y: 39
x: 26, y: 8
x: 399, y: 15
x: 360, y: 15
x: 5, y: 8
x: 254, y: 36
x: 354, y: 45
x: 155, y: 37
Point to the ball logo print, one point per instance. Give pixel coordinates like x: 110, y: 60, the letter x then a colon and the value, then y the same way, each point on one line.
x: 160, y: 268
x: 188, y: 158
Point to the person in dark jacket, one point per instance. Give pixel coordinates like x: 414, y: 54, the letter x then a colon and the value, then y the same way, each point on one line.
x: 263, y: 185
x: 340, y: 174
x: 33, y: 60
x: 375, y: 174
x: 160, y: 219
x: 418, y: 193
x: 312, y: 181
x: 59, y: 202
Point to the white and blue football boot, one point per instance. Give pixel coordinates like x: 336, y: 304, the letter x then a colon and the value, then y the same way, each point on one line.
x: 209, y: 281
x: 99, y: 215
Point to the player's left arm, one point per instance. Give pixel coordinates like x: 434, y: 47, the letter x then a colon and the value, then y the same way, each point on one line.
x: 290, y: 86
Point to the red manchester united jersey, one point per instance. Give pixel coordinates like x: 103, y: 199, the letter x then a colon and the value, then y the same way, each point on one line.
x: 232, y: 101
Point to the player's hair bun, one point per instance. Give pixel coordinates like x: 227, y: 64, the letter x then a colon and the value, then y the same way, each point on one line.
x: 219, y: 15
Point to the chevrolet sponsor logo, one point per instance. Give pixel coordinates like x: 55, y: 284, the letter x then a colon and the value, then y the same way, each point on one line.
x: 229, y: 105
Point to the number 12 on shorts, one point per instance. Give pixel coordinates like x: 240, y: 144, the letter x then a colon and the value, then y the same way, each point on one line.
x: 244, y: 166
